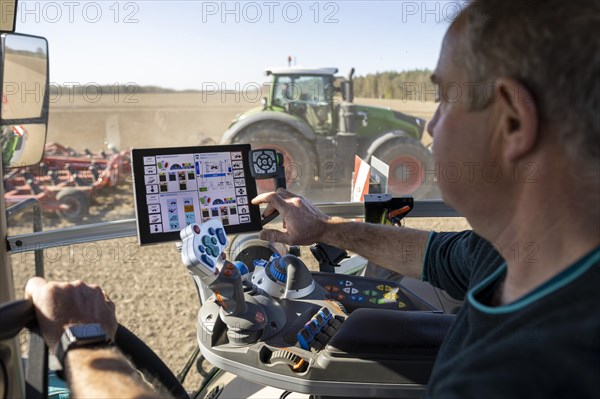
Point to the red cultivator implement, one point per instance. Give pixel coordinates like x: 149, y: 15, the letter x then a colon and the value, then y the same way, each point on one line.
x: 65, y: 180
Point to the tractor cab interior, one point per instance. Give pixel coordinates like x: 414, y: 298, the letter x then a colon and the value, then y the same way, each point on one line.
x: 307, y: 331
x: 148, y: 191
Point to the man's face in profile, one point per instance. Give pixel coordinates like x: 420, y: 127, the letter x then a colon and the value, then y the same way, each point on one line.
x: 463, y: 139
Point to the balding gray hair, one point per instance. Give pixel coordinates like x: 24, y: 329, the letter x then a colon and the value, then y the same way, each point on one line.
x: 551, y: 47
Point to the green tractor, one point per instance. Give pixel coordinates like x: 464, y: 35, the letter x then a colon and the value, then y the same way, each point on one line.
x: 319, y: 135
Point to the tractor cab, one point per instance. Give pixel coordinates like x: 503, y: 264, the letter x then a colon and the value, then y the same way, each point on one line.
x: 311, y: 119
x: 307, y: 94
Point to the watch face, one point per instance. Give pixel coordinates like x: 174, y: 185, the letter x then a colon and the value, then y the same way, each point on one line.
x: 79, y: 336
x: 86, y: 332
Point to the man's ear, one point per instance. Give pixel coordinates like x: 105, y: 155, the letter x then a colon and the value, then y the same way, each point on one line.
x: 518, y: 118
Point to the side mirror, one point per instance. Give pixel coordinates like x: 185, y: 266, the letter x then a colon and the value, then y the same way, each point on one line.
x: 25, y: 98
x: 347, y: 91
x: 348, y: 87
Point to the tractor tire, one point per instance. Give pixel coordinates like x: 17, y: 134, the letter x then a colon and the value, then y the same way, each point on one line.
x: 411, y: 168
x: 297, y: 152
x: 77, y: 202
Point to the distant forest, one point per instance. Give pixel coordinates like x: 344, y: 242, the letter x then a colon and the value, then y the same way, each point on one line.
x: 127, y: 88
x: 405, y: 85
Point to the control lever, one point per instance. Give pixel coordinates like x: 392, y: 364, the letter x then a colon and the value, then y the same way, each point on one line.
x: 229, y: 290
x: 299, y: 282
x: 245, y: 319
x: 201, y: 251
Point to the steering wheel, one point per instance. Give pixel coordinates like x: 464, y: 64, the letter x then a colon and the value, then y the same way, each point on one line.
x: 14, y: 316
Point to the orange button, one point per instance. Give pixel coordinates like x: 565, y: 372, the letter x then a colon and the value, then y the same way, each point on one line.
x: 230, y: 266
x: 227, y: 273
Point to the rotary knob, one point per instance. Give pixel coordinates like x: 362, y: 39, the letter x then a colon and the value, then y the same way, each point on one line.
x: 277, y: 270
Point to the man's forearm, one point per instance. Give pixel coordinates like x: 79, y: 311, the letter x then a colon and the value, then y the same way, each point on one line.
x: 397, y: 248
x: 104, y: 373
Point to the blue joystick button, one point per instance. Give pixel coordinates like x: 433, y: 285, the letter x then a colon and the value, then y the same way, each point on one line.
x: 221, y: 236
x: 259, y: 262
x: 241, y: 267
x: 211, y: 231
x: 212, y: 250
x: 207, y: 260
x: 201, y: 249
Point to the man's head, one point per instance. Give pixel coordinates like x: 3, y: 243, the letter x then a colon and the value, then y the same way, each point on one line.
x: 518, y: 80
x: 551, y: 48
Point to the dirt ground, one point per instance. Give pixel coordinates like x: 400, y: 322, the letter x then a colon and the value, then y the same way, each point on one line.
x: 154, y: 294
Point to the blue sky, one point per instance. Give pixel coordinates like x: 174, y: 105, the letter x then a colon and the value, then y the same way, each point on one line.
x: 188, y: 44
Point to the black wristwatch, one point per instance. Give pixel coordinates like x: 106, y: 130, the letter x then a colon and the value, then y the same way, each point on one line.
x: 81, y: 336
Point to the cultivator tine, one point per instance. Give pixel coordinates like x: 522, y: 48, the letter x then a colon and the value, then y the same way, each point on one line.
x: 93, y: 168
x: 35, y: 189
x: 53, y: 174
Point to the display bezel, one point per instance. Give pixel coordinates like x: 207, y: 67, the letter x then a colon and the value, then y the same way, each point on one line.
x: 141, y: 204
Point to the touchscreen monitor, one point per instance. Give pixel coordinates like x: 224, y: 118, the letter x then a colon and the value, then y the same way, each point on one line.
x: 175, y: 187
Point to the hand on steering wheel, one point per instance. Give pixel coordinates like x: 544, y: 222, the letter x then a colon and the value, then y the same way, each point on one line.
x: 14, y: 316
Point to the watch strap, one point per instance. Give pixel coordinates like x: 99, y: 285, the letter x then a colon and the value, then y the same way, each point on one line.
x: 80, y: 336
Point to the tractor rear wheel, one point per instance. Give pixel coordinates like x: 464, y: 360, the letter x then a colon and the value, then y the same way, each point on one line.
x: 74, y: 204
x: 297, y: 152
x: 411, y: 168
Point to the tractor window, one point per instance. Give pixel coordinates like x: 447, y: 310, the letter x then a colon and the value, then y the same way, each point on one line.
x: 190, y: 85
x: 302, y: 89
x: 307, y: 97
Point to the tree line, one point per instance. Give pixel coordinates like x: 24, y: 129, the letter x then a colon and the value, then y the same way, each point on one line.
x: 406, y: 85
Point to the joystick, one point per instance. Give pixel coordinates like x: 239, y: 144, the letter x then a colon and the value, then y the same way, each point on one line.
x: 300, y: 282
x: 202, y: 253
x: 245, y: 320
x: 229, y: 290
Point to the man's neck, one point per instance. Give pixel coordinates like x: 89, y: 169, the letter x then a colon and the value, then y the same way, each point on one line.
x: 540, y: 246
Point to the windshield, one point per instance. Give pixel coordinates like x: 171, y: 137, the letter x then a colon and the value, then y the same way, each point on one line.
x: 303, y: 89
x: 148, y: 74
